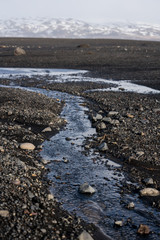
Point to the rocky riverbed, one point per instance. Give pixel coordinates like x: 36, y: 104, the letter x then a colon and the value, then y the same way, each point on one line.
x: 27, y: 209
x: 127, y: 125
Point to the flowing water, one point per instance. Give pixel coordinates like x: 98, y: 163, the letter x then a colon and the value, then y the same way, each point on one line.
x: 71, y: 166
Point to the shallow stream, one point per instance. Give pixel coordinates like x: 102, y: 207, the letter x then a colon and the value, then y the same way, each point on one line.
x: 71, y: 166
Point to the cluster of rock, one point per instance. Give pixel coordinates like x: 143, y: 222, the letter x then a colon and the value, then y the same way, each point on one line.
x: 127, y: 126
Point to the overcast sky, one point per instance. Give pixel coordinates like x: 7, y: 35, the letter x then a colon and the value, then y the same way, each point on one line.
x: 92, y: 11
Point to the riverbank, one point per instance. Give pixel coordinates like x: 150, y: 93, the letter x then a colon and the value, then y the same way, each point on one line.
x: 28, y: 210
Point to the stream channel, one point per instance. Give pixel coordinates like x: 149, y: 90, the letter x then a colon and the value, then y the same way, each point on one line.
x: 70, y: 166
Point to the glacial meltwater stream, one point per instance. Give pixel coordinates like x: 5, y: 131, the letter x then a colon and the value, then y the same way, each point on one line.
x: 71, y: 166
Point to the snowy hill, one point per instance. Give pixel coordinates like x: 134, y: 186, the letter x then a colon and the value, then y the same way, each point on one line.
x: 70, y: 28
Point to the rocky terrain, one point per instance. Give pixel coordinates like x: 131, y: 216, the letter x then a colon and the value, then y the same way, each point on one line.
x: 127, y: 126
x: 27, y: 209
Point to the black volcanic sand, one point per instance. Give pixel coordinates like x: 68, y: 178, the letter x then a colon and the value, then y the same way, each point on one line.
x: 132, y: 134
x: 117, y: 59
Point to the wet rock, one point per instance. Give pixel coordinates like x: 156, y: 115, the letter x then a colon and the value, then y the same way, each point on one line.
x: 149, y: 192
x: 27, y: 146
x: 4, y: 213
x: 103, y: 147
x: 86, y: 189
x: 87, y: 146
x: 85, y: 236
x: 118, y: 223
x: 65, y: 160
x: 143, y: 229
x: 19, y: 51
x: 68, y: 139
x: 131, y: 205
x: 47, y: 129
x: 45, y: 162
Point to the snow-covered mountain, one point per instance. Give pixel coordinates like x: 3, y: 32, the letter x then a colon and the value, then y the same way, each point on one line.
x: 70, y: 28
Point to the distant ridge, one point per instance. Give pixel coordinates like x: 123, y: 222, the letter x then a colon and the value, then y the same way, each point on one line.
x: 70, y: 28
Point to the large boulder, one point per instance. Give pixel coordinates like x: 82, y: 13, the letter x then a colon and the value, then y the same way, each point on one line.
x: 19, y: 51
x: 152, y: 192
x: 27, y: 146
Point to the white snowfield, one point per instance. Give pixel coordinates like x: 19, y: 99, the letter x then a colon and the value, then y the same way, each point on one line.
x: 70, y: 28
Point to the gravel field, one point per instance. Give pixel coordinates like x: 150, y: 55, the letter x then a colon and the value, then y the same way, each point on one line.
x: 128, y: 123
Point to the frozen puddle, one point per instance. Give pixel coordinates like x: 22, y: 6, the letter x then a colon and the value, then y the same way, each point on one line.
x: 70, y: 75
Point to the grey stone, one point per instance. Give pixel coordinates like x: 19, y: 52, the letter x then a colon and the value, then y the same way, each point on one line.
x: 86, y: 188
x: 103, y: 147
x: 4, y: 213
x: 43, y: 230
x: 130, y: 205
x: 30, y: 194
x: 97, y: 117
x: 149, y: 192
x: 47, y: 129
x: 148, y: 181
x: 19, y: 51
x: 115, y: 122
x: 10, y: 112
x: 101, y: 126
x: 107, y: 119
x: 112, y: 113
x: 50, y: 197
x: 118, y: 223
x: 1, y: 149
x: 16, y: 181
x: 85, y: 236
x: 44, y: 161
x: 27, y: 146
x: 139, y: 153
